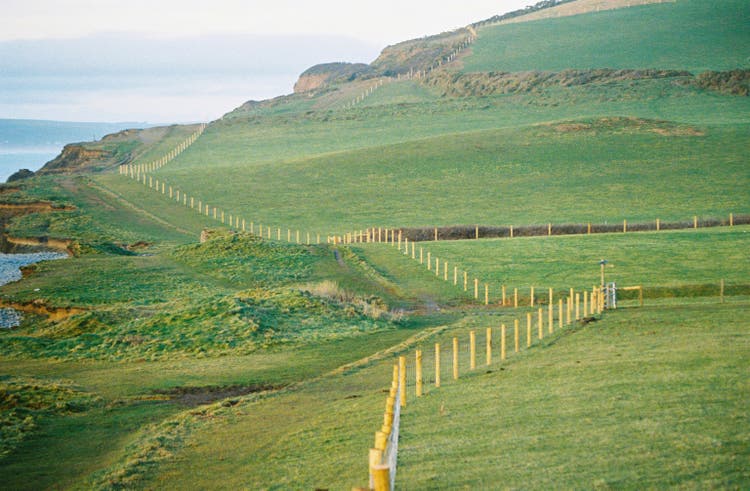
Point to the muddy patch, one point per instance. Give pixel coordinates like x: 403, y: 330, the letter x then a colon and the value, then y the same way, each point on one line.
x: 198, y: 396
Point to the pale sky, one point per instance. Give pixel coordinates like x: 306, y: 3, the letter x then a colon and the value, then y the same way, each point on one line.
x: 381, y: 22
x: 164, y: 61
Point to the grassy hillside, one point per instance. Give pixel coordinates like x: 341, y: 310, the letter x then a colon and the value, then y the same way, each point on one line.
x: 572, y: 170
x: 248, y: 363
x: 649, y: 398
x: 666, y: 263
x: 688, y: 34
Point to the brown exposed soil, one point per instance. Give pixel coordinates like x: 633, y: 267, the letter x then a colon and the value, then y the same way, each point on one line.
x: 198, y: 396
x: 38, y: 307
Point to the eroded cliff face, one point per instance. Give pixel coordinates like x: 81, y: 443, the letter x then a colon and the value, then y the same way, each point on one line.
x: 320, y: 76
x: 74, y: 157
x: 306, y: 83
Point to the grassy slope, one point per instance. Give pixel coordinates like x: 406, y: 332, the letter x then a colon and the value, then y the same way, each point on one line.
x: 487, y: 177
x: 647, y: 398
x: 689, y: 34
x: 667, y: 258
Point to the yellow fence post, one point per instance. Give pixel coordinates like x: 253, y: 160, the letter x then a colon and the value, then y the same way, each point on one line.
x: 381, y: 477
x: 502, y: 342
x: 551, y: 318
x: 445, y: 272
x: 540, y: 324
x: 569, y: 317
x: 429, y: 261
x: 486, y: 294
x: 413, y: 255
x: 437, y: 364
x: 528, y: 329
x: 531, y: 302
x: 695, y: 221
x: 503, y: 295
x: 421, y: 256
x: 585, y: 303
x: 472, y: 350
x: 455, y: 358
x: 731, y: 219
x: 476, y: 289
x: 436, y: 234
x: 515, y: 335
x: 489, y: 346
x: 466, y: 281
x: 455, y: 275
x: 437, y: 266
x: 418, y: 360
x: 511, y: 231
x: 560, y: 313
x: 515, y: 297
x: 476, y: 232
x: 658, y: 224
x: 402, y: 379
x: 624, y: 226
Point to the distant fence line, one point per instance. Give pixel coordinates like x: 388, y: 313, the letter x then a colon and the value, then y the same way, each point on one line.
x: 141, y: 174
x: 417, y: 74
x: 134, y: 169
x: 465, y: 232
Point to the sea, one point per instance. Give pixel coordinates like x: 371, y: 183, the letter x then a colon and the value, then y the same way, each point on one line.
x: 10, y: 270
x: 29, y: 144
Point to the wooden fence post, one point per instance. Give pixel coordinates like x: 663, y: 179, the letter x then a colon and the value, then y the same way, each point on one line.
x: 402, y: 379
x: 731, y: 219
x: 486, y: 294
x: 502, y: 342
x: 503, y: 293
x: 489, y: 346
x: 515, y: 335
x: 436, y: 234
x: 455, y: 358
x: 472, y: 350
x: 466, y: 280
x: 624, y: 226
x: 695, y: 221
x: 658, y: 224
x: 455, y: 275
x: 421, y: 256
x: 578, y: 305
x: 540, y: 324
x: 437, y: 364
x: 531, y: 303
x: 569, y: 317
x: 551, y: 318
x: 413, y: 256
x: 437, y: 266
x: 511, y: 231
x: 585, y: 303
x: 515, y: 297
x: 528, y: 329
x: 476, y: 232
x: 476, y: 289
x: 445, y: 270
x: 560, y: 313
x: 429, y: 261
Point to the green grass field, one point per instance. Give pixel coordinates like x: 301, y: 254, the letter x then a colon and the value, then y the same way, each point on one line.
x: 688, y: 34
x: 651, y: 398
x: 247, y: 363
x: 687, y: 262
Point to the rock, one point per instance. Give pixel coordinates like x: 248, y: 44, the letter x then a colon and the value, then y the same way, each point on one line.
x: 21, y: 174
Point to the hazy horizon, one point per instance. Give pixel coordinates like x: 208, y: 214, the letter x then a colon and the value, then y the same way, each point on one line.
x: 185, y: 61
